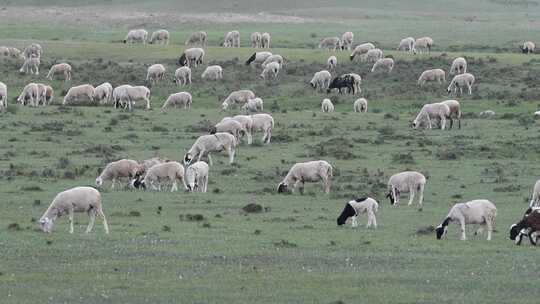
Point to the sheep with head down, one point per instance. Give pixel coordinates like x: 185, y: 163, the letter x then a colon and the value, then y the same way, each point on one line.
x: 178, y: 99
x: 331, y: 63
x: 239, y: 97
x: 197, y: 177
x: 127, y: 95
x: 138, y: 35
x: 182, y: 76
x: 528, y: 47
x: 455, y: 111
x: 206, y: 144
x: 213, y: 72
x: 432, y: 75
x: 12, y: 52
x: 124, y: 168
x: 347, y: 40
x: 31, y: 65
x: 321, y: 80
x: 192, y: 57
x: 386, y: 64
x: 232, y: 39
x: 247, y: 124
x: 411, y: 182
x: 461, y: 81
x: 160, y: 37
x: 199, y: 38
x: 327, y: 106
x: 459, y: 66
x: 311, y: 171
x: 230, y: 126
x: 407, y: 44
x: 423, y: 44
x: 360, y: 50
x: 432, y: 112
x: 480, y: 212
x: 155, y: 73
x: 84, y: 92
x: 330, y: 43
x: 528, y: 226
x: 271, y: 71
x: 356, y: 207
x: 170, y: 172
x: 3, y: 95
x: 103, y: 93
x: 253, y: 105
x: 373, y: 55
x: 273, y: 58
x: 29, y: 95
x: 60, y: 68
x: 360, y: 105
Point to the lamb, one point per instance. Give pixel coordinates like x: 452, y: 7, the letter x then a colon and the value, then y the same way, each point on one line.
x: 182, y: 76
x: 206, y: 144
x: 459, y: 66
x: 232, y: 39
x: 127, y: 95
x: 407, y: 44
x: 347, y: 40
x: 61, y: 68
x: 124, y: 168
x: 178, y: 99
x: 528, y: 47
x: 373, y: 55
x: 258, y: 57
x: 78, y: 199
x: 432, y: 75
x: 321, y: 80
x: 31, y: 65
x: 361, y: 49
x: 33, y: 50
x: 406, y: 182
x: 197, y: 177
x: 432, y: 111
x: 481, y: 212
x: 103, y: 93
x: 455, y: 111
x: 29, y: 94
x: 360, y: 105
x: 230, y: 126
x: 160, y: 37
x: 487, y: 114
x: 239, y: 97
x: 198, y: 38
x: 359, y: 206
x: 273, y: 58
x: 460, y: 81
x: 75, y: 94
x: 255, y: 40
x: 331, y: 63
x: 327, y: 106
x: 265, y: 40
x: 247, y: 124
x: 213, y: 72
x: 311, y: 171
x: 10, y: 52
x: 139, y: 35
x: 330, y: 43
x: 192, y: 57
x: 155, y: 73
x: 3, y: 95
x: 169, y: 171
x: 528, y: 226
x: 262, y: 122
x: 385, y: 63
x: 253, y: 105
x: 535, y: 200
x: 423, y: 44
x: 271, y: 71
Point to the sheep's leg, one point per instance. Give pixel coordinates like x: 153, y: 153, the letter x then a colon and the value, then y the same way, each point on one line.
x: 462, y: 225
x: 250, y: 138
x: 470, y: 89
x: 70, y: 219
x: 112, y: 183
x: 371, y: 214
x: 354, y: 223
x: 92, y: 215
x: 231, y: 154
x: 105, y: 225
x: 411, y: 196
x: 443, y: 122
x: 489, y: 225
x: 205, y: 183
x: 421, y: 197
x: 174, y: 187
x: 209, y: 160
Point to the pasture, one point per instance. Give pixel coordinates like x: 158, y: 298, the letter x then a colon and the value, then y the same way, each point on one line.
x: 204, y: 248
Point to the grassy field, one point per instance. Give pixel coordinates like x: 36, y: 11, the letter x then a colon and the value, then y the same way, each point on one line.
x: 203, y: 248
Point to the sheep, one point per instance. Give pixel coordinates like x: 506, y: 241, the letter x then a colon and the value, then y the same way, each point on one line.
x: 455, y: 111
x: 213, y: 72
x: 407, y: 44
x: 411, y: 182
x: 361, y: 49
x: 481, y: 212
x: 265, y: 40
x: 149, y: 163
x: 535, y: 200
x: 528, y: 47
x: 139, y: 35
x: 432, y: 75
x: 155, y: 73
x: 74, y: 94
x: 331, y: 63
x: 258, y: 57
x: 232, y: 39
x: 459, y: 66
x: 347, y: 40
x: 61, y: 68
x: 160, y: 37
x: 192, y: 57
x: 528, y: 226
x: 537, y: 113
x: 42, y: 91
x: 253, y: 105
x: 270, y: 71
x: 3, y: 95
x: 103, y: 93
x: 423, y: 44
x: 384, y: 63
x: 124, y: 168
x: 12, y: 52
x: 360, y: 105
x: 49, y: 94
x: 247, y: 124
x: 230, y: 126
x: 29, y: 94
x: 262, y: 122
x: 359, y: 206
x: 321, y: 80
x: 344, y: 81
x: 169, y: 171
x: 127, y: 95
x: 206, y: 144
x: 432, y: 111
x: 239, y: 97
x: 460, y: 81
x: 78, y: 199
x: 255, y: 40
x: 311, y: 171
x: 273, y: 58
x: 373, y: 55
x: 487, y: 114
x: 33, y: 50
x: 31, y: 65
x: 178, y: 99
x: 357, y: 81
x: 330, y: 43
x: 327, y: 106
x: 182, y: 76
x: 197, y: 177
x: 199, y: 38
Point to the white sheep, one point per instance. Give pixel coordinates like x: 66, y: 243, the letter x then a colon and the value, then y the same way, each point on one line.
x: 535, y: 200
x: 3, y: 95
x: 331, y: 63
x: 182, y: 76
x: 361, y: 49
x: 327, y: 106
x: 311, y: 171
x: 213, y: 72
x: 321, y: 80
x: 247, y: 123
x: 407, y: 44
x: 139, y: 35
x: 528, y: 47
x: 258, y: 57
x: 127, y: 95
x: 232, y: 39
x: 103, y: 93
x: 33, y: 50
x: 432, y: 111
x: 199, y: 38
x: 460, y: 81
x: 29, y: 95
x: 360, y: 105
x: 476, y: 212
x: 124, y: 168
x: 423, y: 44
x: 373, y: 55
x: 347, y: 40
x: 49, y: 94
x: 262, y: 122
x: 432, y: 75
x: 359, y: 206
x: 160, y: 37
x: 255, y: 40
x: 61, y: 68
x: 31, y: 65
x: 197, y: 177
x: 169, y: 171
x: 206, y: 144
x: 78, y: 199
x: 239, y: 97
x: 42, y: 92
x: 459, y: 66
x: 75, y: 94
x: 253, y: 105
x: 192, y: 57
x: 411, y: 182
x: 155, y: 73
x: 230, y: 126
x: 271, y: 71
x: 330, y: 43
x: 178, y: 99
x: 7, y: 51
x: 384, y: 63
x: 273, y: 58
x: 265, y: 40
x: 487, y: 114
x: 455, y: 111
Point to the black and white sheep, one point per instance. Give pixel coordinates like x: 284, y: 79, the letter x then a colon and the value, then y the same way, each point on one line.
x: 476, y: 212
x: 528, y: 47
x: 346, y: 81
x: 411, y: 182
x: 311, y: 171
x: 192, y: 57
x: 206, y: 144
x: 386, y: 64
x: 528, y: 226
x: 356, y: 207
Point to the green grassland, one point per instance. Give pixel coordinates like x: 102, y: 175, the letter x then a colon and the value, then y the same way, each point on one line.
x: 203, y: 248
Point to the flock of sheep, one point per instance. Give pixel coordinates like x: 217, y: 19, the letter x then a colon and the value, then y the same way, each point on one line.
x: 225, y: 136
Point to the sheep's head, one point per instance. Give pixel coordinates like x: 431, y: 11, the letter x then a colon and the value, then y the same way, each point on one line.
x: 390, y: 196
x: 282, y: 188
x: 99, y: 181
x: 46, y: 224
x: 442, y: 229
x: 514, y: 231
x: 212, y: 130
x: 347, y: 212
x: 188, y: 158
x: 125, y: 41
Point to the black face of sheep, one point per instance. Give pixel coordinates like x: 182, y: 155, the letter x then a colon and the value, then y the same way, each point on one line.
x: 442, y: 229
x: 390, y: 196
x: 182, y: 60
x: 251, y: 59
x: 212, y: 130
x: 138, y: 183
x: 524, y: 50
x: 347, y: 212
x: 187, y: 159
x: 282, y: 188
x: 514, y: 231
x: 125, y: 41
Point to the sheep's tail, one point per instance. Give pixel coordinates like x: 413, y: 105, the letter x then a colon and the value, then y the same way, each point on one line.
x: 251, y: 59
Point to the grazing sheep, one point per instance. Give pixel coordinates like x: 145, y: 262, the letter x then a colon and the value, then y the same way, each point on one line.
x: 255, y: 40
x: 29, y: 95
x: 3, y: 95
x: 406, y: 182
x: 42, y: 91
x: 213, y: 72
x: 271, y: 71
x: 459, y: 66
x: 192, y: 57
x: 182, y: 76
x: 331, y: 63
x: 360, y: 105
x: 321, y: 80
x: 455, y: 111
x: 535, y: 200
x: 178, y: 99
x: 480, y: 212
x: 487, y: 114
x: 460, y: 81
x: 253, y: 105
x: 198, y: 38
x: 61, y: 68
x: 230, y: 126
x: 384, y: 63
x: 206, y: 144
x: 12, y: 52
x: 373, y: 55
x: 359, y: 206
x: 33, y: 50
x: 423, y: 44
x: 347, y: 40
x: 361, y: 50
x: 49, y: 94
x: 232, y: 39
x: 169, y: 171
x: 330, y: 43
x: 127, y: 95
x: 31, y: 65
x: 124, y: 168
x: 247, y: 123
x: 357, y: 81
x: 311, y: 171
x: 347, y: 81
x: 75, y: 94
x: 273, y: 58
x: 78, y: 199
x: 407, y: 44
x: 139, y: 35
x: 262, y: 122
x: 432, y: 75
x: 327, y: 106
x: 528, y: 226
x: 197, y: 177
x: 258, y: 57
x: 239, y: 97
x: 528, y: 47
x: 429, y: 112
x: 160, y: 37
x: 155, y: 73
x: 103, y: 93
x: 265, y: 40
